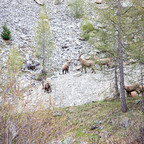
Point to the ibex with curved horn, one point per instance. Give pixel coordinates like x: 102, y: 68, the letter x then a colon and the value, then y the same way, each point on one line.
x: 86, y: 63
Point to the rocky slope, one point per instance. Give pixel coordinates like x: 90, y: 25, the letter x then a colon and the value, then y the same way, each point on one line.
x: 71, y: 89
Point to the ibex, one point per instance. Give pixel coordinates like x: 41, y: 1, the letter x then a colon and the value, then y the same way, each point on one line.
x: 104, y: 61
x: 46, y: 86
x: 131, y: 88
x: 65, y: 67
x: 86, y: 63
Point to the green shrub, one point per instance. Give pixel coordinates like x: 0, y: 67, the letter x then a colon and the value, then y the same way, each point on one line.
x: 77, y: 8
x: 88, y: 30
x: 87, y: 27
x: 6, y: 34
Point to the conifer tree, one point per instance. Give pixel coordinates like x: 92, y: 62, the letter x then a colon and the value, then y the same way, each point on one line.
x: 43, y: 38
x: 128, y: 28
x: 109, y: 32
x: 6, y: 34
x: 135, y: 35
x: 105, y: 37
x: 120, y: 53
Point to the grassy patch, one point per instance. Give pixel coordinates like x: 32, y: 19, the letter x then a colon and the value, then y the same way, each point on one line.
x: 76, y: 121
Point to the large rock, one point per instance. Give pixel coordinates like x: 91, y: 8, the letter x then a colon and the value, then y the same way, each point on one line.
x: 69, y: 90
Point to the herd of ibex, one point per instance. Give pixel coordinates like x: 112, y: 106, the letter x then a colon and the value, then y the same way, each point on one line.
x: 88, y: 64
x: 131, y: 90
x: 84, y: 64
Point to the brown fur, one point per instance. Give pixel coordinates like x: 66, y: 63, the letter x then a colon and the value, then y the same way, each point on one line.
x: 134, y: 94
x: 105, y: 61
x: 86, y: 63
x: 131, y: 88
x: 65, y: 67
x: 46, y: 86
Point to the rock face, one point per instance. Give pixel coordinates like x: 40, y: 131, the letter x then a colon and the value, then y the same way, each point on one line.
x: 68, y: 90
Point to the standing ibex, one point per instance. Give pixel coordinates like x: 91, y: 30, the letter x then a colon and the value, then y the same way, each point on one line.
x: 65, y: 67
x: 86, y: 63
x: 46, y: 86
x: 131, y: 88
x: 104, y: 61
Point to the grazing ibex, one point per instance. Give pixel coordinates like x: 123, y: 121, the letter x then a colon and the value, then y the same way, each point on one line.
x: 86, y: 63
x: 129, y: 89
x: 65, y: 67
x: 46, y: 86
x: 104, y: 61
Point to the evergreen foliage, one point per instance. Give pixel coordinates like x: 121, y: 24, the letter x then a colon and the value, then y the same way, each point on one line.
x: 129, y: 30
x: 105, y: 39
x: 132, y: 25
x: 6, y: 34
x: 43, y: 38
x: 88, y: 30
x: 133, y: 31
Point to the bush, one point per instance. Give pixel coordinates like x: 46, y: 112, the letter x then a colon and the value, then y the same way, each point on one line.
x: 87, y: 27
x: 6, y: 34
x: 88, y: 30
x: 77, y: 8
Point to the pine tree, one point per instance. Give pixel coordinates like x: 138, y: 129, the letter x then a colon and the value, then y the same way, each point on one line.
x: 135, y: 34
x: 129, y: 29
x: 43, y: 38
x: 106, y: 40
x: 6, y: 34
x: 120, y: 53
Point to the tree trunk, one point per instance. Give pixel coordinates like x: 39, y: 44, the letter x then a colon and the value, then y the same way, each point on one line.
x: 142, y: 88
x: 120, y: 53
x: 116, y: 79
x: 43, y: 63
